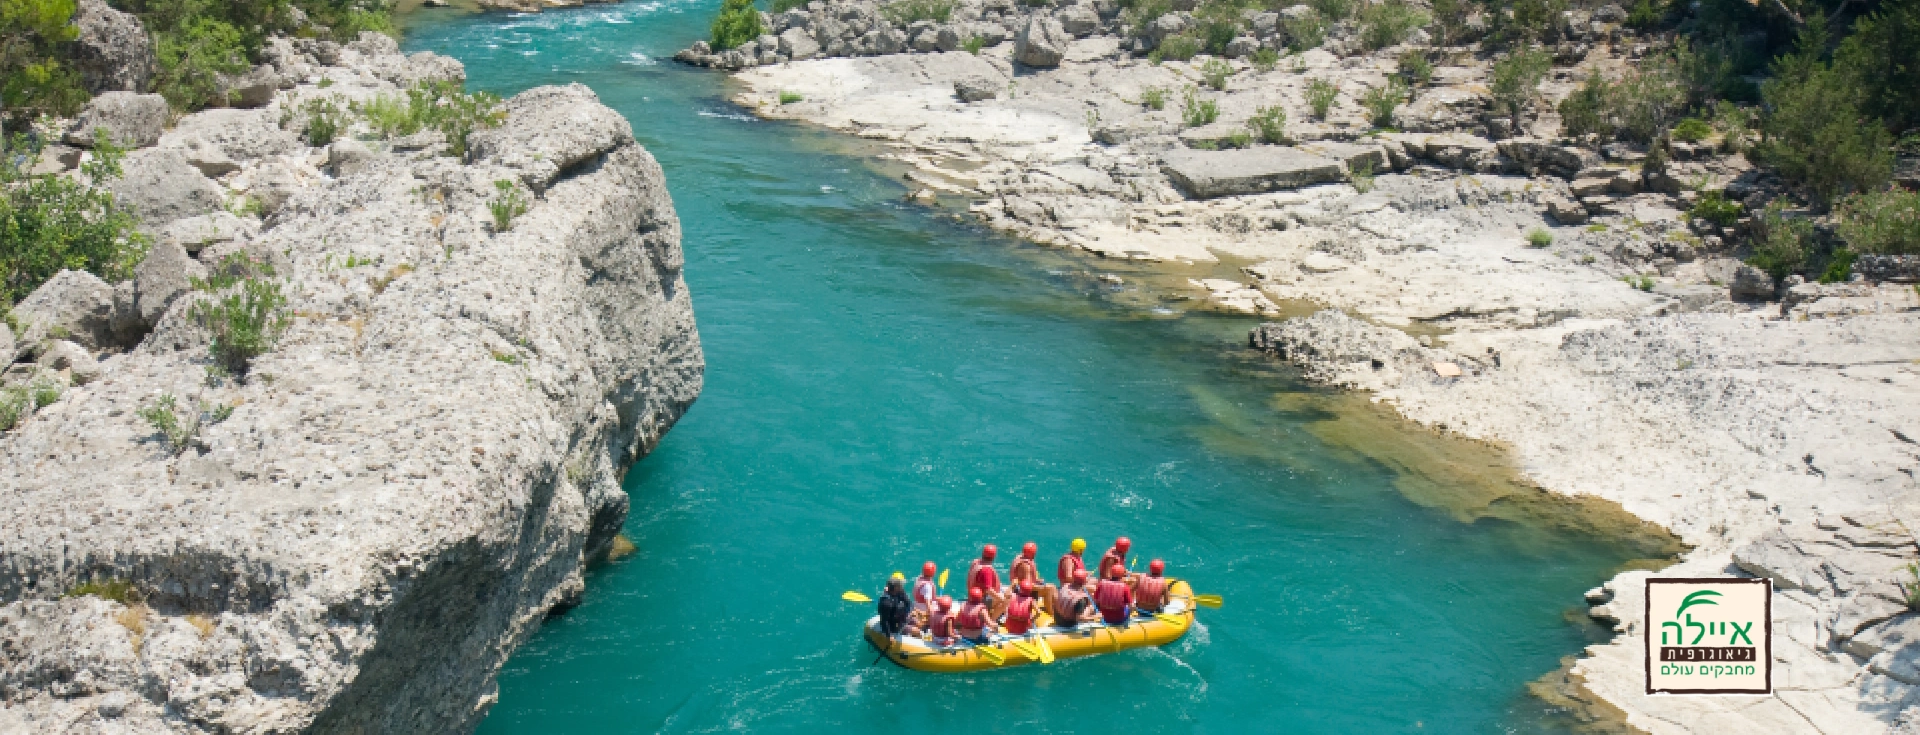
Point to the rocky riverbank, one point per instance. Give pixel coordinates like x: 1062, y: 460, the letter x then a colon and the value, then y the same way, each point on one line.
x: 1478, y: 272
x: 356, y: 533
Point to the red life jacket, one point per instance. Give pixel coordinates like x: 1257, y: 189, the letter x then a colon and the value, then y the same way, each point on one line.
x: 972, y: 617
x: 1068, y: 565
x: 1107, y: 560
x: 1019, y: 615
x: 1023, y: 564
x: 923, y: 595
x: 1066, y: 602
x: 941, y: 626
x: 1111, y: 596
x: 983, y: 576
x: 1150, y: 593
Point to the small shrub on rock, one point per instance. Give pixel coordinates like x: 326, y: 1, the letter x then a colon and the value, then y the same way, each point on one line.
x: 1305, y: 31
x: 180, y: 426
x: 1450, y: 21
x: 1270, y: 123
x: 1381, y: 102
x: 1715, y: 207
x: 1333, y: 9
x: 1515, y: 78
x: 1179, y: 48
x: 788, y: 98
x: 1816, y: 131
x: 509, y: 204
x: 1215, y: 73
x: 1320, y: 96
x: 1196, y: 112
x: 973, y: 44
x: 1780, y: 243
x: 1881, y: 223
x: 1415, y: 68
x: 1154, y: 98
x: 1265, y: 60
x: 1692, y: 130
x: 1539, y: 238
x: 192, y: 55
x: 1360, y: 175
x: 1389, y: 23
x: 324, y: 120
x: 15, y: 407
x: 907, y: 12
x: 737, y: 23
x: 246, y: 320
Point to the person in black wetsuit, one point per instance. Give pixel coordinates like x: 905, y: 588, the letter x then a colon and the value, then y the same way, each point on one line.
x: 896, y: 611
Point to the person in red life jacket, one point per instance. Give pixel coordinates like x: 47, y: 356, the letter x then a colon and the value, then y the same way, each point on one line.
x: 1150, y: 591
x: 975, y: 621
x: 1023, y: 568
x: 982, y: 576
x: 1115, y: 555
x: 1113, y: 596
x: 1071, y: 562
x: 1022, y: 610
x: 925, y: 588
x: 1075, y: 604
x: 941, y: 625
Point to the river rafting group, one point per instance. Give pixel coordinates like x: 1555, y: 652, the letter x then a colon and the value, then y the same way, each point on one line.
x: 1106, y: 609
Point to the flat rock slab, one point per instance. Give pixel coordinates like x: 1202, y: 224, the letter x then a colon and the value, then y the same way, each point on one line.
x: 1209, y: 174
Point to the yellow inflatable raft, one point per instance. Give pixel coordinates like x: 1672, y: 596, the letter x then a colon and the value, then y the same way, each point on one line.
x: 1088, y: 639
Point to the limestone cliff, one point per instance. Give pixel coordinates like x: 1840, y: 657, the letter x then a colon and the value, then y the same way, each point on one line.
x: 407, y: 484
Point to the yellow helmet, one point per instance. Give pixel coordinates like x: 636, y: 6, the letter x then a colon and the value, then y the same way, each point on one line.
x: 1079, y: 545
x: 898, y: 577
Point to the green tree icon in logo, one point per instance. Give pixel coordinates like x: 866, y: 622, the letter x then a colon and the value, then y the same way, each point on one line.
x: 1680, y: 632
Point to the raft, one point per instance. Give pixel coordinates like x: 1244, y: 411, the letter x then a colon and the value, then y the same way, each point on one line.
x: 1087, y: 639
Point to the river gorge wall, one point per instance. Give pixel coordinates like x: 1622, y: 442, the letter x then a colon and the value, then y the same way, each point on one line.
x: 397, y: 494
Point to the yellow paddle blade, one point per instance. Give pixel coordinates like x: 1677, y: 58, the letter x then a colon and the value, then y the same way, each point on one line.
x: 943, y: 578
x: 1046, y: 651
x: 852, y: 596
x: 1207, y: 600
x: 1026, y: 648
x: 1165, y: 618
x: 991, y: 654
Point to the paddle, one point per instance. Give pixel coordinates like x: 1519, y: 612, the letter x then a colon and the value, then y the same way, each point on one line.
x: 1165, y: 618
x: 1207, y: 600
x: 1026, y: 648
x: 852, y: 596
x: 1046, y: 651
x: 991, y: 654
x: 943, y: 578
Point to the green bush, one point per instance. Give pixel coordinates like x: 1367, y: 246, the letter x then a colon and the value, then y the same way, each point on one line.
x: 1884, y: 51
x: 1815, y: 131
x: 1520, y: 23
x: 1333, y: 9
x: 1515, y: 77
x: 1539, y: 238
x: 1239, y: 139
x: 1139, y: 14
x: 781, y: 6
x: 15, y: 406
x: 1780, y: 243
x: 1415, y: 68
x: 1646, y: 14
x: 1646, y: 101
x: 1389, y: 23
x: 1196, y: 112
x: 1586, y: 112
x: 1839, y: 266
x: 191, y: 59
x: 1264, y: 60
x: 33, y: 81
x: 1178, y: 48
x: 1154, y: 98
x: 1270, y: 123
x: 440, y: 106
x: 788, y: 98
x: 1381, y: 101
x: 324, y: 120
x: 197, y: 40
x: 180, y: 426
x: 1360, y: 175
x: 1320, y: 96
x: 51, y: 222
x: 1305, y: 31
x: 1735, y: 124
x: 116, y: 590
x: 1215, y: 72
x: 1692, y: 130
x: 1881, y: 223
x: 1217, y: 23
x: 510, y: 203
x: 738, y: 23
x: 906, y: 12
x: 973, y: 44
x: 246, y: 320
x: 1715, y: 207
x: 1450, y: 21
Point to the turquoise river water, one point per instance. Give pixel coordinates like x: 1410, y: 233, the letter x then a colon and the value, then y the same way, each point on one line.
x: 886, y: 385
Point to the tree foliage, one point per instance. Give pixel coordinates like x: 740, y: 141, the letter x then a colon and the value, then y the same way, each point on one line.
x: 738, y: 23
x: 33, y: 80
x: 51, y: 222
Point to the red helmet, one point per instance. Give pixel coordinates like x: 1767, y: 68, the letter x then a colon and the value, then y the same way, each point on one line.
x: 987, y: 552
x: 1156, y: 567
x: 945, y: 602
x: 975, y: 595
x: 927, y: 569
x: 1026, y: 587
x: 1079, y: 575
x: 1122, y: 544
x: 1029, y: 550
x: 1116, y: 571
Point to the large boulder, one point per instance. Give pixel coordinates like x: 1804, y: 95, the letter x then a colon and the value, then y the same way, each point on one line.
x: 1079, y: 21
x: 165, y: 275
x: 218, y: 142
x: 131, y: 120
x: 1209, y: 174
x: 1751, y: 284
x: 72, y: 305
x: 549, y: 131
x: 160, y: 186
x: 796, y: 44
x: 1042, y: 43
x: 112, y: 52
x: 976, y: 88
x: 66, y: 357
x: 253, y: 88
